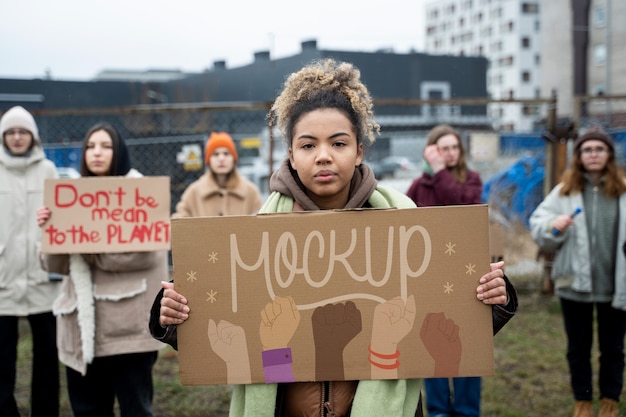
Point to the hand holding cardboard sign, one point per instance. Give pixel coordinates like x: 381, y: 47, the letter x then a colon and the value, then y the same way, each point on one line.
x: 228, y: 341
x: 279, y: 321
x: 441, y: 338
x: 492, y: 289
x: 43, y: 214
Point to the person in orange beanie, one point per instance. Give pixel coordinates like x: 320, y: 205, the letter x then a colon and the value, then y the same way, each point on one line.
x: 221, y: 190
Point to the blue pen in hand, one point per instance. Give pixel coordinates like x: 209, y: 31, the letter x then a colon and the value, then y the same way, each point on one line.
x: 556, y: 232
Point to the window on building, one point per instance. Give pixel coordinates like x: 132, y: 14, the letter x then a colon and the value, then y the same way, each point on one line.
x: 461, y: 22
x: 599, y: 16
x: 526, y: 76
x: 537, y: 25
x: 525, y: 42
x: 599, y: 89
x: 530, y: 110
x: 537, y: 59
x: 599, y: 54
x: 510, y: 26
x: 537, y: 92
x: 530, y: 7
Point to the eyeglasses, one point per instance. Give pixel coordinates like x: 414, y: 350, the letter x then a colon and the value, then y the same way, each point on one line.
x: 598, y: 150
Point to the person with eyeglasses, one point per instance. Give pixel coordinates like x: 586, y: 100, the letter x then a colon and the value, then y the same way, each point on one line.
x: 446, y: 179
x: 589, y: 268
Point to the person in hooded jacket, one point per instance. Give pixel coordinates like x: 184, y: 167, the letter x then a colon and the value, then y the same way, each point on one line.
x: 325, y: 116
x: 25, y: 289
x: 221, y: 190
x: 104, y: 305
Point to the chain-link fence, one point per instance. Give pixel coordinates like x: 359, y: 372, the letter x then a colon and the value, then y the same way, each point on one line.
x: 169, y: 140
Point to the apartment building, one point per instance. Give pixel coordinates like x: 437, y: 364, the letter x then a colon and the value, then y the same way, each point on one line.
x: 604, y: 56
x: 507, y: 33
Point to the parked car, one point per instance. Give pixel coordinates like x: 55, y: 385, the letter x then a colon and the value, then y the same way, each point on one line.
x: 391, y: 166
x: 256, y: 171
x: 68, y: 172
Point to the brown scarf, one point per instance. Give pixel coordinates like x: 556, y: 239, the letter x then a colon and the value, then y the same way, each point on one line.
x: 285, y: 180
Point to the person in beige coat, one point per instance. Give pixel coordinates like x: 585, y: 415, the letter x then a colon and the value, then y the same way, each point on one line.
x: 221, y: 190
x: 25, y: 290
x: 104, y: 306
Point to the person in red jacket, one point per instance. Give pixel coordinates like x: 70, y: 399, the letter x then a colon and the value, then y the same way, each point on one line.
x: 447, y: 181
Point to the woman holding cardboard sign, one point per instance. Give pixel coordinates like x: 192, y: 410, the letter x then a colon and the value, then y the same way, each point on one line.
x: 102, y: 328
x: 325, y: 116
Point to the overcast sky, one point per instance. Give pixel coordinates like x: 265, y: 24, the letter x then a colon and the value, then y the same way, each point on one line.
x: 76, y: 39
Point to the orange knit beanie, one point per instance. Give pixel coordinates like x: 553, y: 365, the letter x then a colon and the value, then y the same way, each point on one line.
x: 218, y: 140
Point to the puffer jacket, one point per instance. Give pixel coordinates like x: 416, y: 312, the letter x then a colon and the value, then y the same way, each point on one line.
x: 103, y: 307
x: 24, y: 286
x: 204, y: 197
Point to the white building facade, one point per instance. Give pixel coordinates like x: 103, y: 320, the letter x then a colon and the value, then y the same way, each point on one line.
x: 507, y: 33
x: 606, y: 50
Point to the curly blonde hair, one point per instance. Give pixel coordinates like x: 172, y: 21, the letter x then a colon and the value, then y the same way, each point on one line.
x: 321, y: 85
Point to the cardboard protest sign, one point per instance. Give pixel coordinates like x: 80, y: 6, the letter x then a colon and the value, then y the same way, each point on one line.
x: 333, y: 295
x: 107, y: 214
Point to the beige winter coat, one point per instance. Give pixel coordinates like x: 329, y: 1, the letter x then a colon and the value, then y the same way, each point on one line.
x: 24, y: 287
x: 204, y: 197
